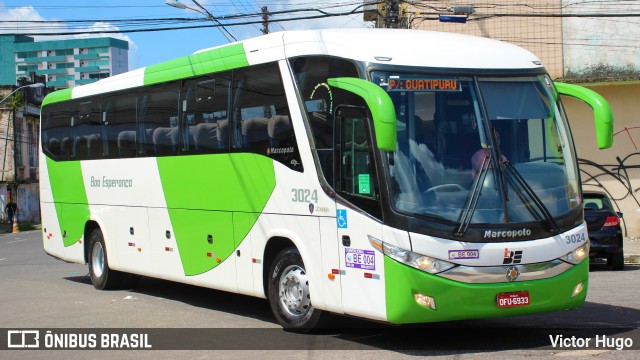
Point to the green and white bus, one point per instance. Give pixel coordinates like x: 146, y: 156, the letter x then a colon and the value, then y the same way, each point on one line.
x: 395, y: 175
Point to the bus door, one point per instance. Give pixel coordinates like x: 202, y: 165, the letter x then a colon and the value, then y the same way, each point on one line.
x: 358, y: 214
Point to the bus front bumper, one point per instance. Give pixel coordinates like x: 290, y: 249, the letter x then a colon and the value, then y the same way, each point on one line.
x: 457, y: 300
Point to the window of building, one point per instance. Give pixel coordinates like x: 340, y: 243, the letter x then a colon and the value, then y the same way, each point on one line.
x: 27, y: 54
x: 64, y: 65
x: 20, y: 135
x: 64, y: 52
x: 27, y: 68
x: 98, y: 50
x: 99, y: 76
x: 33, y: 145
x: 98, y: 63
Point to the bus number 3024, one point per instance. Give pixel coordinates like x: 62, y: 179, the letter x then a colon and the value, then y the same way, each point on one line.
x: 575, y: 238
x: 304, y: 195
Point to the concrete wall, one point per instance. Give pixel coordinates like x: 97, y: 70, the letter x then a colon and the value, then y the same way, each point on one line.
x: 617, y: 169
x: 601, y: 48
x: 119, y: 61
x: 28, y: 200
x: 7, y: 172
x: 540, y: 35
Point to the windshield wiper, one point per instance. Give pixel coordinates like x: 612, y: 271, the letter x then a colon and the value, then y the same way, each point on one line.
x: 474, y: 196
x: 529, y: 191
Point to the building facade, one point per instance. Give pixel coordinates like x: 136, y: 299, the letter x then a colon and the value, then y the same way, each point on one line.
x: 65, y: 63
x: 19, y: 134
x: 598, y: 51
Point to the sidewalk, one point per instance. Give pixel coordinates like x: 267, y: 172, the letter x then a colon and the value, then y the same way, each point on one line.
x: 631, y: 250
x: 8, y: 228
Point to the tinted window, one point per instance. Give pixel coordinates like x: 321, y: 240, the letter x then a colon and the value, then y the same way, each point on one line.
x: 86, y: 130
x: 159, y: 132
x: 311, y: 74
x: 205, y: 114
x: 262, y: 122
x: 190, y: 116
x: 56, y: 140
x: 119, y: 124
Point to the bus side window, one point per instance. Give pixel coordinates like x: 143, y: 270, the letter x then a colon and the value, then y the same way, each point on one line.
x: 311, y: 74
x: 57, y: 122
x: 262, y: 121
x: 119, y: 124
x: 87, y: 131
x: 205, y: 103
x: 159, y: 132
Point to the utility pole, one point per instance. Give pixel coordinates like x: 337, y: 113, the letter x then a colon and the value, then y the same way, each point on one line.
x: 393, y: 11
x: 265, y: 20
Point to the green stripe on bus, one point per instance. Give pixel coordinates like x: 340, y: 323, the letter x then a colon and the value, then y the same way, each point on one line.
x: 67, y: 188
x: 225, y: 58
x: 204, y: 194
x: 57, y: 96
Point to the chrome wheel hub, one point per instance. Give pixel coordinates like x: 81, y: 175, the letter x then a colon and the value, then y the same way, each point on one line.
x: 97, y: 259
x: 293, y: 290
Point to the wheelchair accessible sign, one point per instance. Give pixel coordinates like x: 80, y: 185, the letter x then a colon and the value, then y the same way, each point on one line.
x: 341, y: 218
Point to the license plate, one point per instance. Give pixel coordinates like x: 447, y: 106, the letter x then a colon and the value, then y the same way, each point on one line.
x: 513, y: 299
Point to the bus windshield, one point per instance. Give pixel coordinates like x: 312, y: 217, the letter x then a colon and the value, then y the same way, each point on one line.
x: 493, y: 149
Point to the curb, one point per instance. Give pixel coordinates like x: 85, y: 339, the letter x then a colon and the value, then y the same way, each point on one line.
x: 631, y: 259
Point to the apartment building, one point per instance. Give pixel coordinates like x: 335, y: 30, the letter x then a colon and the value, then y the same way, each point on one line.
x: 66, y: 63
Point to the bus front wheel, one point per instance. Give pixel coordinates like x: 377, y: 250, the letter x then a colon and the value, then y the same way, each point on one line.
x: 289, y: 294
x: 102, y: 277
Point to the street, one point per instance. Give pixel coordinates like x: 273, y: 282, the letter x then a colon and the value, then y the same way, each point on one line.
x: 40, y: 292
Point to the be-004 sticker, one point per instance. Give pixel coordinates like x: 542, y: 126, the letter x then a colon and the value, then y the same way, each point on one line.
x: 464, y: 254
x: 360, y: 259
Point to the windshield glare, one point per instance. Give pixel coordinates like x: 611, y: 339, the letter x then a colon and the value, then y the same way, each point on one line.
x: 448, y: 126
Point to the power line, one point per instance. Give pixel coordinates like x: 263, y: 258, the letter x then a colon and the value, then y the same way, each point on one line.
x: 127, y: 26
x: 85, y: 32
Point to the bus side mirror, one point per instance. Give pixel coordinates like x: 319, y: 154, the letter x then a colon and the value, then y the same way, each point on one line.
x: 380, y: 105
x: 603, y: 116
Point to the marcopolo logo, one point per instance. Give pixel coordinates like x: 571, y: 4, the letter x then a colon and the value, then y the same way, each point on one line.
x: 280, y: 151
x: 492, y: 234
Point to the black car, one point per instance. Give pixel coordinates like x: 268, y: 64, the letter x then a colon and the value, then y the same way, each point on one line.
x: 603, y: 225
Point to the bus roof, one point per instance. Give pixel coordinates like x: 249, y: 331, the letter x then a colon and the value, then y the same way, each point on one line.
x: 384, y: 46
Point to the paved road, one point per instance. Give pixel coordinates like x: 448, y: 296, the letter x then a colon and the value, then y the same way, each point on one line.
x: 37, y: 291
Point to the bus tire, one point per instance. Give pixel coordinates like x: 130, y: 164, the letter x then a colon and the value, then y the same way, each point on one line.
x: 289, y: 295
x: 102, y: 277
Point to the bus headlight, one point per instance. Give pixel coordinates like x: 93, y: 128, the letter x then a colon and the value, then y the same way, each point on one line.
x: 415, y: 260
x: 577, y: 255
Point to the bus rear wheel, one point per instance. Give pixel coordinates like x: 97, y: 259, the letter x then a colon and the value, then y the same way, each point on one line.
x: 289, y: 294
x: 102, y: 277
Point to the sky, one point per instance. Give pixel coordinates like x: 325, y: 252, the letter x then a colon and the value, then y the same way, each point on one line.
x: 147, y: 48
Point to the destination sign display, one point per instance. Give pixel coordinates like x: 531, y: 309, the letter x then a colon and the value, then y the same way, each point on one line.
x: 397, y: 83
